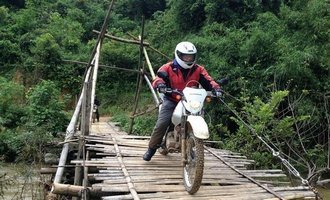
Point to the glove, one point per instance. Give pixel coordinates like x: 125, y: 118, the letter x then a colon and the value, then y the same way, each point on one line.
x: 161, y: 87
x: 217, y: 92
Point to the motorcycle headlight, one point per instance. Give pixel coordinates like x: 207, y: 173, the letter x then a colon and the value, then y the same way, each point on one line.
x: 195, y: 105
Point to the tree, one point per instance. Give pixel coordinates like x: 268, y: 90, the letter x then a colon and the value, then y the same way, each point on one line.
x: 136, y: 8
x: 189, y: 15
x: 46, y: 109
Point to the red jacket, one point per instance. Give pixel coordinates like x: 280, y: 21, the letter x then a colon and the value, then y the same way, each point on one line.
x: 176, y: 77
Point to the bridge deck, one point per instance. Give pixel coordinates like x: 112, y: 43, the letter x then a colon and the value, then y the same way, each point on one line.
x: 122, y: 174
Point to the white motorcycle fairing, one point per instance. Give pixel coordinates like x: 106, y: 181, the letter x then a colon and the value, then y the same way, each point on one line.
x: 177, y: 114
x: 194, y: 99
x: 199, y: 127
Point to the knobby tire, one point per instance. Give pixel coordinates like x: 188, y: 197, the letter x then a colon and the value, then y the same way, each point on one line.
x: 193, y: 169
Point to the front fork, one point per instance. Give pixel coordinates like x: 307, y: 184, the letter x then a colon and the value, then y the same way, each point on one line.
x: 183, y: 143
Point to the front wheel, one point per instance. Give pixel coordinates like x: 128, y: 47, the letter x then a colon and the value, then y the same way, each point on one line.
x: 194, y: 167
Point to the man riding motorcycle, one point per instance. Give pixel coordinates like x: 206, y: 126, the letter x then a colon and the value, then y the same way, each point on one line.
x: 177, y: 74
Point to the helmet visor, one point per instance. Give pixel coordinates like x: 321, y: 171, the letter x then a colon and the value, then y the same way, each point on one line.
x: 188, y: 58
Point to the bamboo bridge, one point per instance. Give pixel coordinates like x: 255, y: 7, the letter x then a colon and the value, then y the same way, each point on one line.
x: 99, y: 161
x: 114, y: 169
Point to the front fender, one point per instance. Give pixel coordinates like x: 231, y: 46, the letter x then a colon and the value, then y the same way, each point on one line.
x: 199, y: 127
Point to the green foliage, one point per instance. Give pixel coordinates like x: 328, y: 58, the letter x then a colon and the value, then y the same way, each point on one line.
x: 47, y: 54
x: 24, y: 146
x: 10, y: 52
x: 261, y: 119
x: 119, y: 116
x: 284, y: 132
x: 120, y: 110
x: 70, y: 42
x: 3, y: 14
x: 134, y: 9
x: 189, y: 14
x: 262, y: 46
x: 24, y: 130
x: 46, y: 109
x: 142, y: 125
x: 10, y: 145
x: 11, y: 104
x: 32, y: 144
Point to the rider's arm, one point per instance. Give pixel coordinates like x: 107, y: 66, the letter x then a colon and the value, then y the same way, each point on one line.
x: 162, y: 76
x: 206, y: 80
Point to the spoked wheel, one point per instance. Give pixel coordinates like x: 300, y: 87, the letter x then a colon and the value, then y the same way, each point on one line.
x: 194, y: 167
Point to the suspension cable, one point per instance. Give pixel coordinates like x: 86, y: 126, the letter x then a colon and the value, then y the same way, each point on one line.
x: 277, y: 154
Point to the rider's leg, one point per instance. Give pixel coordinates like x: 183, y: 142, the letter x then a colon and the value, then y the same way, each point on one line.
x: 163, y: 121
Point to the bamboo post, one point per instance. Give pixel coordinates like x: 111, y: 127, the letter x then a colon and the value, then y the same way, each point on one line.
x: 69, y: 134
x: 78, y: 168
x: 139, y: 80
x: 88, y: 110
x: 151, y: 70
x: 156, y: 95
x: 85, y: 181
x: 84, y: 128
x: 153, y: 92
x: 94, y: 79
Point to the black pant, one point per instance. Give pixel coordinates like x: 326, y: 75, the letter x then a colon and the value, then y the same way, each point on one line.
x: 163, y: 121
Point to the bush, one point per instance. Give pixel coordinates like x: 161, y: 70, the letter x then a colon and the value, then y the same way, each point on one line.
x: 46, y: 109
x: 11, y: 104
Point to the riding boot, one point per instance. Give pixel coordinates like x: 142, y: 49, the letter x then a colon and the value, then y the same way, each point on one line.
x: 148, y: 155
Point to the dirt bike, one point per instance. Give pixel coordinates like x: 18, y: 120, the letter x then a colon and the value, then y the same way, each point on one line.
x: 95, y: 107
x: 187, y: 133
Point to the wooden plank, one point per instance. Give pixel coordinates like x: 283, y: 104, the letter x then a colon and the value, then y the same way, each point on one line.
x: 161, y: 178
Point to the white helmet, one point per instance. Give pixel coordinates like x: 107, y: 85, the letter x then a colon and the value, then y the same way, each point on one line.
x: 185, y: 54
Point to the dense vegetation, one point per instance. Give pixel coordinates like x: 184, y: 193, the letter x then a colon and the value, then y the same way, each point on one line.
x: 275, y: 52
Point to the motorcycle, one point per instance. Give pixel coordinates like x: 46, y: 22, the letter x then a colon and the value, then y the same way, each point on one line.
x: 187, y: 133
x: 94, y: 114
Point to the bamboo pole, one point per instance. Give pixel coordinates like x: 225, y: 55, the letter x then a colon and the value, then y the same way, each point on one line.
x: 145, y: 112
x: 112, y: 67
x: 125, y: 171
x: 150, y: 47
x: 69, y: 134
x: 85, y: 181
x: 47, y: 171
x: 74, y: 190
x: 139, y: 79
x: 71, y: 128
x: 153, y: 92
x: 123, y: 40
x: 94, y: 79
x: 84, y: 128
x: 151, y: 70
x: 135, y: 41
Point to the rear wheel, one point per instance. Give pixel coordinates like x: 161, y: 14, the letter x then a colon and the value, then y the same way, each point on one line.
x: 93, y: 117
x: 194, y: 167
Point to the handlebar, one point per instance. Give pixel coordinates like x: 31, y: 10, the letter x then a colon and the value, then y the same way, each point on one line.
x: 170, y: 91
x: 176, y: 91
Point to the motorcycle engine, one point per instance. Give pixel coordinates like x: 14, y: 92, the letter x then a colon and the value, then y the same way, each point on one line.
x: 173, y: 142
